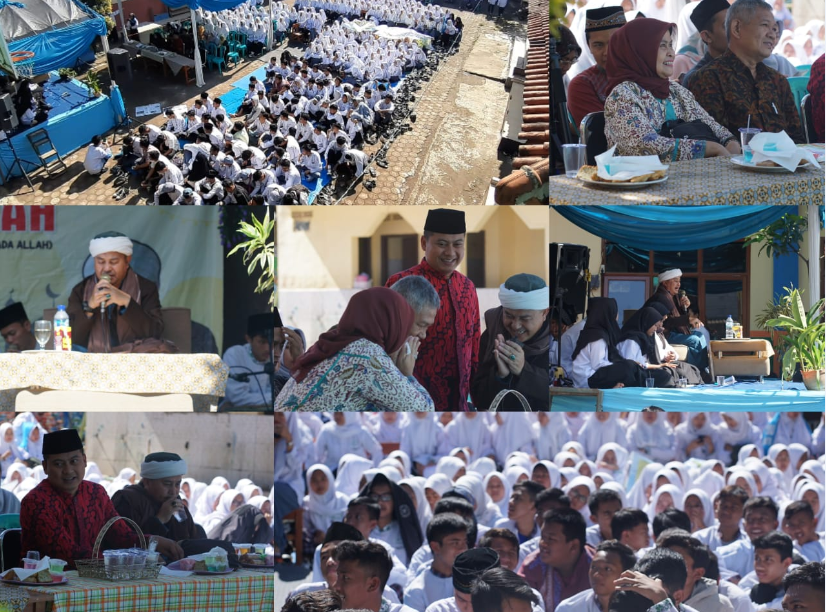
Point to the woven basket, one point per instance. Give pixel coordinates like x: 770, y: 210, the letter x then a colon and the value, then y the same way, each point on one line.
x: 500, y: 397
x: 96, y: 568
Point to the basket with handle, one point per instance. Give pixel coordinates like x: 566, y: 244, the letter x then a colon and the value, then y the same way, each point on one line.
x: 96, y: 568
x: 500, y: 397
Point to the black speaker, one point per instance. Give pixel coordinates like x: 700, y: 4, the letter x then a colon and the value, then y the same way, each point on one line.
x: 8, y: 116
x: 569, y: 287
x: 120, y: 65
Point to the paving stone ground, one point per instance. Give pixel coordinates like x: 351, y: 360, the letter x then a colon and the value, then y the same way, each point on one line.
x: 448, y: 158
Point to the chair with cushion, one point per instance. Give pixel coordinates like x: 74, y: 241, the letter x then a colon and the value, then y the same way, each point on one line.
x: 592, y: 135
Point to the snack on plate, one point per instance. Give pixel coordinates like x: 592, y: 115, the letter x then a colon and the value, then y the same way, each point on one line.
x: 770, y: 164
x: 589, y: 173
x: 252, y: 559
x: 43, y: 576
x: 11, y: 575
x: 199, y: 566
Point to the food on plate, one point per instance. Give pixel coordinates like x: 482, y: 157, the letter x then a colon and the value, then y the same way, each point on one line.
x: 42, y: 576
x: 589, y: 173
x: 770, y: 164
x: 253, y: 559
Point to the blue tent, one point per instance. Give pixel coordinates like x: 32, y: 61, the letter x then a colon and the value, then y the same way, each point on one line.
x: 57, y: 31
x: 207, y: 5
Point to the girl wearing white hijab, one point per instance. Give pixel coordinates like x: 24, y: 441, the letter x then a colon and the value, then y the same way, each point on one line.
x: 551, y: 432
x: 697, y: 504
x: 652, y: 437
x: 763, y: 479
x: 814, y: 469
x: 499, y: 490
x: 436, y: 486
x: 486, y: 512
x: 566, y: 459
x: 9, y: 450
x: 452, y: 467
x: 813, y: 493
x: 601, y: 428
x: 579, y: 497
x: 388, y: 428
x: 231, y: 500
x: 748, y: 483
x: 514, y: 433
x: 15, y: 475
x: 515, y: 474
x: 640, y: 492
x: 483, y: 466
x: 323, y: 504
x: 659, y: 500
x: 670, y: 475
x: 586, y: 468
x: 779, y: 453
x: 345, y: 434
x: 469, y: 430
x: 126, y: 477
x: 792, y: 427
x: 749, y: 451
x: 552, y: 480
x: 422, y: 435
x: 218, y: 481
x: 798, y: 455
x: 696, y: 437
x: 612, y: 457
x: 736, y: 430
x: 710, y: 482
x: 404, y: 459
x: 423, y: 511
x: 348, y: 476
x: 250, y: 491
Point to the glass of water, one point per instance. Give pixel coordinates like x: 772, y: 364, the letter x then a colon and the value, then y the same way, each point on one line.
x: 574, y: 157
x: 42, y: 332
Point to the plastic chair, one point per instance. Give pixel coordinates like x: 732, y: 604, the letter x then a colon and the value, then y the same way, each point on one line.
x: 9, y: 521
x: 238, y: 43
x: 592, y: 135
x: 806, y: 117
x: 798, y: 85
x: 805, y: 70
x: 233, y: 55
x: 216, y: 56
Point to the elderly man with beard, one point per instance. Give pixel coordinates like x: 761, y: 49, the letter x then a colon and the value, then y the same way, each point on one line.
x: 514, y: 347
x: 115, y: 305
x: 680, y: 325
x: 448, y: 357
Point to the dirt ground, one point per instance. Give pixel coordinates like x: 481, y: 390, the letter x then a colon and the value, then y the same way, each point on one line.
x: 448, y: 158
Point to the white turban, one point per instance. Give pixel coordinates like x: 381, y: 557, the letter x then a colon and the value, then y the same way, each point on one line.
x: 538, y: 299
x: 112, y: 244
x: 162, y: 469
x: 669, y: 274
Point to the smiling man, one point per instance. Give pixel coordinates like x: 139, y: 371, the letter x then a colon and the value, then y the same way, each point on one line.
x: 62, y: 516
x: 514, y: 347
x: 154, y: 503
x: 131, y: 305
x: 738, y: 85
x: 449, y: 355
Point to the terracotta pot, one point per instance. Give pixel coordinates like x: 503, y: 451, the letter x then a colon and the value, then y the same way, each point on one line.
x: 815, y: 380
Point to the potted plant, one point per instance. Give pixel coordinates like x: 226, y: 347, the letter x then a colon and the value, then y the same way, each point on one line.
x: 93, y: 83
x: 804, y: 342
x: 259, y: 251
x: 66, y: 74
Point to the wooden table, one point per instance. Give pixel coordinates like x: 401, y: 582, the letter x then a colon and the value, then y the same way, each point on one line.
x: 712, y: 181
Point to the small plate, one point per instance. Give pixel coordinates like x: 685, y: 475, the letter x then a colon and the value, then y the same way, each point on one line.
x: 738, y: 160
x: 176, y: 566
x: 624, y: 186
x: 35, y: 584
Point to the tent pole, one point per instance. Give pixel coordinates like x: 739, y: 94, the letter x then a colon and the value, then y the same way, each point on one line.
x: 122, y: 20
x: 104, y: 42
x: 270, y: 33
x: 814, y: 253
x: 199, y: 69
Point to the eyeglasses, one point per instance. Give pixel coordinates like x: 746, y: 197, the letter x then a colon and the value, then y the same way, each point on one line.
x: 382, y: 498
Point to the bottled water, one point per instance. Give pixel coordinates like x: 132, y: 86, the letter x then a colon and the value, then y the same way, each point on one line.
x: 62, y: 330
x: 729, y: 328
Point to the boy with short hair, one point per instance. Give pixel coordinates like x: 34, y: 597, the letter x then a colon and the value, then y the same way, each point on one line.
x: 612, y: 558
x: 603, y: 504
x: 804, y: 588
x: 772, y: 558
x: 630, y: 526
x: 800, y: 523
x: 522, y: 511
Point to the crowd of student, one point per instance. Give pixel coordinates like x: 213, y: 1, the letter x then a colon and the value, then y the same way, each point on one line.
x: 598, y: 512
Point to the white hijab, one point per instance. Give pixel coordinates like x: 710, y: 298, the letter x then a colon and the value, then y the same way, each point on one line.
x: 792, y: 430
x: 737, y: 473
x: 350, y: 469
x: 502, y: 503
x: 595, y: 433
x: 222, y: 510
x: 789, y: 472
x: 742, y: 432
x: 514, y: 472
x: 421, y: 436
x: 423, y: 512
x: 322, y: 510
x: 515, y: 433
x: 677, y: 496
x: 705, y: 500
x: 636, y: 496
x: 620, y: 453
x: 449, y: 466
x: 642, y: 434
x: 818, y: 489
x: 553, y: 473
x: 472, y: 433
x: 585, y: 481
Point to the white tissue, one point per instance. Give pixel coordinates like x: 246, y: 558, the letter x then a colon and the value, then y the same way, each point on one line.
x: 785, y: 153
x: 625, y: 168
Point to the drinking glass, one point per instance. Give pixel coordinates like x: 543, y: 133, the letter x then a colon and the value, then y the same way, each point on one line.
x: 31, y: 560
x: 42, y: 332
x: 574, y: 158
x: 746, y: 134
x: 649, y: 383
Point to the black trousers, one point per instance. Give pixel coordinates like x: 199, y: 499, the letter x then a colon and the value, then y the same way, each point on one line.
x: 627, y: 372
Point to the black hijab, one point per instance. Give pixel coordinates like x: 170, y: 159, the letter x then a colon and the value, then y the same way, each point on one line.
x: 600, y: 324
x: 404, y: 513
x: 638, y: 331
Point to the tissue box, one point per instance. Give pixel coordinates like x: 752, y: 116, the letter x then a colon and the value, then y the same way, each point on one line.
x: 741, y: 357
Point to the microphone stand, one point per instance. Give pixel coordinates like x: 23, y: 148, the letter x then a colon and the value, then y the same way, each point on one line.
x: 560, y: 130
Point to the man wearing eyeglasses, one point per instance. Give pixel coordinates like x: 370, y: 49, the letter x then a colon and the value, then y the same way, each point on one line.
x: 587, y: 91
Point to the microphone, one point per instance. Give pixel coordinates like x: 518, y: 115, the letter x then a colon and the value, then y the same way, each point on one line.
x: 107, y: 278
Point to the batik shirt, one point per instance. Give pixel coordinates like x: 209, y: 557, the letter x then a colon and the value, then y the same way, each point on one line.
x: 65, y: 527
x: 449, y: 355
x: 586, y: 93
x: 727, y: 90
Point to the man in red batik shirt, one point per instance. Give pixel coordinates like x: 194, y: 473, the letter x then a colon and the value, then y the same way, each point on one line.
x: 448, y: 356
x: 62, y: 516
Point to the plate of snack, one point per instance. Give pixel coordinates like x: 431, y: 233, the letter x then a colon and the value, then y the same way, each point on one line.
x: 589, y: 176
x: 39, y: 578
x: 768, y: 165
x: 256, y: 561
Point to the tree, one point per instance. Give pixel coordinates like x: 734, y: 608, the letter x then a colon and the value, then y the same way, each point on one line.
x: 783, y: 237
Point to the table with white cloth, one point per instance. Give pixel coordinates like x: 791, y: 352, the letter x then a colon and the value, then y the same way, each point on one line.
x: 699, y: 182
x: 183, y: 380
x: 169, y: 60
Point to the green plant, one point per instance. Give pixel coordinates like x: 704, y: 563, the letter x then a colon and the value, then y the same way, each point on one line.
x: 259, y: 251
x: 66, y: 73
x: 92, y: 81
x: 783, y: 237
x: 803, y: 342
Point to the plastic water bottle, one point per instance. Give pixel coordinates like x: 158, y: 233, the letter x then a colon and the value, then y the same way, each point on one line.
x: 729, y: 328
x: 62, y: 330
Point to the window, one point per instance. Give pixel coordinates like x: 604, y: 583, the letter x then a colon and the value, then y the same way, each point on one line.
x: 475, y: 255
x: 397, y: 253
x: 716, y: 279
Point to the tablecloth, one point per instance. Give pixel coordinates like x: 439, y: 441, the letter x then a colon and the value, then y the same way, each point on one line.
x: 240, y: 591
x: 201, y: 373
x: 712, y: 181
x: 176, y: 62
x: 155, y: 56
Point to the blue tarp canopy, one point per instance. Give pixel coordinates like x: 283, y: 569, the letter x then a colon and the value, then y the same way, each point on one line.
x: 673, y: 228
x: 207, y: 5
x: 57, y: 31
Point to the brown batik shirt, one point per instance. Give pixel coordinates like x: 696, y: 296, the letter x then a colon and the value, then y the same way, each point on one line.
x: 726, y: 89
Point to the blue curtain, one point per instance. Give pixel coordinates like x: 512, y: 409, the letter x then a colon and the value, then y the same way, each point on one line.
x: 207, y: 5
x: 672, y: 228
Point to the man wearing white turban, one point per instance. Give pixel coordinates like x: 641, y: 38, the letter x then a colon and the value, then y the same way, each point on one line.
x: 514, y: 348
x: 115, y: 305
